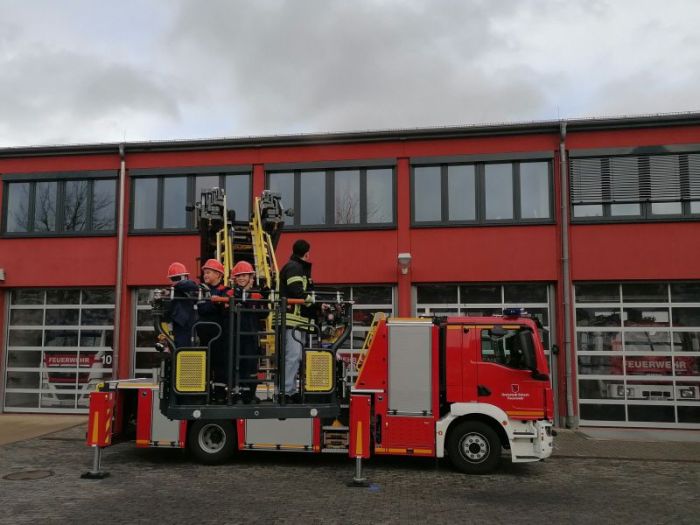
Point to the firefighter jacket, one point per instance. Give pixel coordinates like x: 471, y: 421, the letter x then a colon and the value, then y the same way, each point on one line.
x: 210, y: 311
x: 182, y: 312
x: 250, y: 321
x: 296, y: 283
x: 215, y: 312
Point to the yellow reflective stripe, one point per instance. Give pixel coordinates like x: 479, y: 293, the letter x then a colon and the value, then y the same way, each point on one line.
x: 297, y: 279
x: 294, y: 320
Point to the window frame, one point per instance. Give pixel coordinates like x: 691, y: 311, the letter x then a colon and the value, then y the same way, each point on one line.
x: 190, y: 174
x: 329, y: 194
x: 644, y: 181
x: 480, y: 194
x: 61, y: 179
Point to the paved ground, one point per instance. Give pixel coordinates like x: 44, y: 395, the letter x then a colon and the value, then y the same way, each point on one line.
x: 582, y: 484
x: 18, y: 427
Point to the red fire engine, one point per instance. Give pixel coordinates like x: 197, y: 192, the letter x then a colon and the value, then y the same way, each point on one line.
x: 461, y: 387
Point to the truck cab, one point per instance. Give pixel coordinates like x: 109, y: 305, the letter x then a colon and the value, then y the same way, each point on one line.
x: 461, y: 387
x: 496, y: 379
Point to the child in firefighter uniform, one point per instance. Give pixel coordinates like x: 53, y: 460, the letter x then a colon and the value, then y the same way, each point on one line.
x: 214, y: 309
x: 243, y: 277
x: 181, y: 311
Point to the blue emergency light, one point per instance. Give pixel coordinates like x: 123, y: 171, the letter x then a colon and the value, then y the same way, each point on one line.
x: 513, y: 312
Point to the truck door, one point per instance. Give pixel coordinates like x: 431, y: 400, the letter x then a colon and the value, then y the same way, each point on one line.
x: 503, y: 378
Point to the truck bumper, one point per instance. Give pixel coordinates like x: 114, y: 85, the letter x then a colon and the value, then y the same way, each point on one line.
x: 533, y: 442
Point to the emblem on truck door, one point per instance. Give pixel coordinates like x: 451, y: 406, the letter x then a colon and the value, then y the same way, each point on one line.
x: 515, y: 388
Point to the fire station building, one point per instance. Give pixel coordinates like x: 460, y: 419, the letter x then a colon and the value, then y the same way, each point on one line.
x: 593, y: 226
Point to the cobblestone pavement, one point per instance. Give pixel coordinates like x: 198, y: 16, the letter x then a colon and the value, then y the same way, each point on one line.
x: 166, y: 486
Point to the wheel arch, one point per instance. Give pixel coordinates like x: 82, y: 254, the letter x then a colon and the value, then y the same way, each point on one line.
x: 459, y: 412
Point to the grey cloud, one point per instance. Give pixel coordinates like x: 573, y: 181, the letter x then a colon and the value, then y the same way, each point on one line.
x: 668, y: 92
x: 185, y: 69
x: 64, y: 96
x: 353, y: 65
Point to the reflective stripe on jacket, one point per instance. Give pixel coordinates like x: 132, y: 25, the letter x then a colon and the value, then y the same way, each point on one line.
x: 296, y: 283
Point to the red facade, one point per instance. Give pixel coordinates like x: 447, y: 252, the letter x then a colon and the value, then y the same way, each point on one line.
x: 632, y: 251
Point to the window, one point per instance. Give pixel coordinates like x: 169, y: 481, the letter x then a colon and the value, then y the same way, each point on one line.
x: 505, y: 347
x: 238, y: 193
x: 380, y: 196
x: 145, y: 203
x: 312, y: 197
x: 534, y: 190
x: 336, y: 197
x: 498, y: 180
x: 666, y: 179
x: 59, y: 345
x: 347, y: 197
x: 174, y: 202
x: 282, y: 183
x: 45, y: 206
x: 61, y: 206
x: 638, y: 353
x: 427, y: 184
x: 461, y: 193
x: 159, y: 202
x: 481, y: 193
x: 647, y: 187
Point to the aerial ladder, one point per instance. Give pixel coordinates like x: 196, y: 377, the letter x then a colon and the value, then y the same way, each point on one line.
x: 184, y: 373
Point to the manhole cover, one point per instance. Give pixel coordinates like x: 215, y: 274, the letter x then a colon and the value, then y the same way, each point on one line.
x: 29, y: 475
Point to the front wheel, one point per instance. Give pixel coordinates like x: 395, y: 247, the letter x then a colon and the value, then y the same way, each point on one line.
x: 212, y: 442
x: 474, y: 447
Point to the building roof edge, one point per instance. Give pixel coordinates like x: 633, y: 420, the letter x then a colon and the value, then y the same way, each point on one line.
x: 345, y: 137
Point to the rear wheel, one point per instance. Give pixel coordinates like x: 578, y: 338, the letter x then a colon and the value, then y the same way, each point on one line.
x: 474, y: 447
x: 212, y: 442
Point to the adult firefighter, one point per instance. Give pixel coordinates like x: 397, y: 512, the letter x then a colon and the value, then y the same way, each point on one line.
x: 243, y: 277
x: 182, y: 312
x: 214, y: 310
x: 295, y: 283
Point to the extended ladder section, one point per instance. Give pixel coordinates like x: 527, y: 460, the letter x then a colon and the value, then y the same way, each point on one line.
x: 379, y: 316
x: 229, y: 240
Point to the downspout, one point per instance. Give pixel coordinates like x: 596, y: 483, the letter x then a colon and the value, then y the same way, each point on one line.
x: 571, y: 421
x: 120, y: 256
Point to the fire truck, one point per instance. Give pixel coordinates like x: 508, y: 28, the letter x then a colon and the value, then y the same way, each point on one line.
x: 460, y: 387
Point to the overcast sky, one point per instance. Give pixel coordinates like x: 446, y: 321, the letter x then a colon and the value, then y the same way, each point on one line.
x: 97, y: 71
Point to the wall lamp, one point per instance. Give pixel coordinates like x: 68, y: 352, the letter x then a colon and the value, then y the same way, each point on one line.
x: 404, y: 260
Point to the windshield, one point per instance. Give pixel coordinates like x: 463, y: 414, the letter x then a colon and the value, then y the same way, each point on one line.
x: 513, y: 348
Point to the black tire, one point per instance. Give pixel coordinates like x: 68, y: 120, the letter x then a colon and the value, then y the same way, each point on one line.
x: 474, y: 447
x: 212, y: 442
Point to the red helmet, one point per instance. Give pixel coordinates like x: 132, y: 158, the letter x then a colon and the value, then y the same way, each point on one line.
x: 213, y: 264
x: 242, y: 267
x: 177, y: 269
